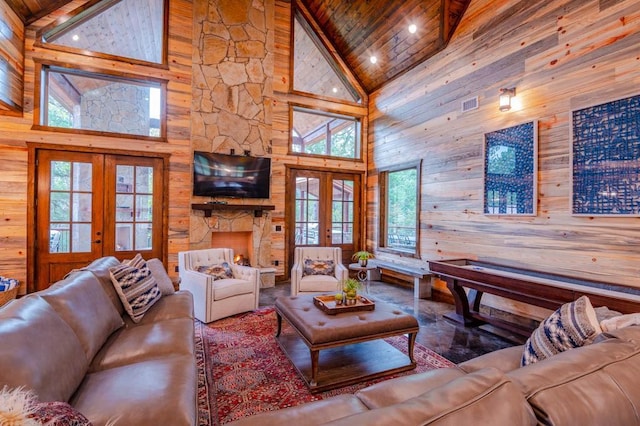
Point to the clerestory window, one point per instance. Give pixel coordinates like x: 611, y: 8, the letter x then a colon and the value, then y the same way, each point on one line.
x: 327, y: 134
x: 75, y: 100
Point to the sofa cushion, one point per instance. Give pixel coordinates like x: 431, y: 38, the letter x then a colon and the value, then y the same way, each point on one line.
x: 505, y: 360
x: 160, y: 274
x: 219, y: 271
x: 570, y: 326
x: 100, y: 269
x: 485, y: 397
x: 81, y: 301
x: 591, y: 385
x: 318, y: 267
x: 154, y: 392
x: 145, y: 342
x: 400, y: 389
x: 309, y: 414
x: 136, y: 287
x: 231, y: 287
x: 177, y: 305
x: 39, y: 350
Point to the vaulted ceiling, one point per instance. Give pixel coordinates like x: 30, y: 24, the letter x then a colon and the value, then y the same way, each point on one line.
x: 357, y: 29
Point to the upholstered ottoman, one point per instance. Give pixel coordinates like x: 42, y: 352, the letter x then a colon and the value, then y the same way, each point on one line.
x: 352, y: 342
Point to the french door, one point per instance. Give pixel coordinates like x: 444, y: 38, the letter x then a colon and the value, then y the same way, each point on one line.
x: 324, y: 210
x: 89, y: 205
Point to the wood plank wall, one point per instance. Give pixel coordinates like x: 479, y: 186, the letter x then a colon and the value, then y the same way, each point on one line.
x: 561, y: 55
x: 16, y: 131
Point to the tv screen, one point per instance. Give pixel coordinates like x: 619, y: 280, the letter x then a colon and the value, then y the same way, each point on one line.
x: 221, y: 175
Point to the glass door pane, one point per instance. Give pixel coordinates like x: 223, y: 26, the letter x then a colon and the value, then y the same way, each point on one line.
x: 342, y: 211
x: 70, y: 207
x: 307, y: 215
x: 134, y: 208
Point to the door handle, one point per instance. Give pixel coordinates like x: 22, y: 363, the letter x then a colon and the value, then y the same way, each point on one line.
x: 97, y: 241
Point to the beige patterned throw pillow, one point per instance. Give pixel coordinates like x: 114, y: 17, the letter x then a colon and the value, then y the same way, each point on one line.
x: 136, y: 287
x: 572, y: 325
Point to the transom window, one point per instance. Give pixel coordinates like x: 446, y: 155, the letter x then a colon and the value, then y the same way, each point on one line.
x: 74, y: 99
x: 326, y: 134
x: 400, y: 195
x: 124, y: 28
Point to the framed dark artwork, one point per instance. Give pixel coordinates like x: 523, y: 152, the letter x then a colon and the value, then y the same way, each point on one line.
x: 606, y: 159
x: 511, y: 170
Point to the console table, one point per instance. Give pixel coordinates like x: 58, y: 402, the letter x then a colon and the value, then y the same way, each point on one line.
x: 537, y: 288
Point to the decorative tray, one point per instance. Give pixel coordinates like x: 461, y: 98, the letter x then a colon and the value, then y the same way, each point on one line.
x: 328, y: 304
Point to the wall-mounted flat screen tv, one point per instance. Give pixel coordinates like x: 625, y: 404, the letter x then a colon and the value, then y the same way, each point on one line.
x: 222, y: 175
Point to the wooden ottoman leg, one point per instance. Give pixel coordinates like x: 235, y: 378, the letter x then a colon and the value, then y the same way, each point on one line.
x: 315, y: 356
x: 412, y: 342
x: 279, y: 318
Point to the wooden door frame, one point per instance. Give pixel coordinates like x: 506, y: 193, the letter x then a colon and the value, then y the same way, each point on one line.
x: 290, y: 210
x: 34, y: 147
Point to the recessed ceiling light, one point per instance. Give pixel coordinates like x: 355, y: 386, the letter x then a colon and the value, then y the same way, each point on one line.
x: 334, y: 90
x: 373, y: 59
x: 413, y: 28
x: 75, y: 37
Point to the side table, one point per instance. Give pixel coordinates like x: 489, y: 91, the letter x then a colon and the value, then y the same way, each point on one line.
x: 362, y: 273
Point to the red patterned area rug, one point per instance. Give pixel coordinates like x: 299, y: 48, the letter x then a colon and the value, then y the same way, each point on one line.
x: 242, y: 371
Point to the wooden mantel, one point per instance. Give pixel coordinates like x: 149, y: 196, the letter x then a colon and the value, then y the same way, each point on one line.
x: 207, y: 208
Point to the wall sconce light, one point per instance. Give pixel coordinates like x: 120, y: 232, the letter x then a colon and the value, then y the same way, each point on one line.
x: 505, y: 98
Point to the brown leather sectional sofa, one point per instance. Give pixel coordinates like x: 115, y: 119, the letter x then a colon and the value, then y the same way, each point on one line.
x: 591, y: 385
x: 74, y: 342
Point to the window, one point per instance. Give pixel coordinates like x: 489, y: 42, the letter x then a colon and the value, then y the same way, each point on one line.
x: 327, y: 134
x: 400, y: 196
x: 74, y: 99
x: 125, y: 28
x: 314, y: 70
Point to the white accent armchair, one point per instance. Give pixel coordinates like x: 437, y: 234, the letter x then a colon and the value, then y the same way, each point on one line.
x: 302, y: 282
x: 218, y: 298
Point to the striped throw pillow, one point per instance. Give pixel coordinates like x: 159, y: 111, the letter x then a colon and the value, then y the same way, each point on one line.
x: 136, y: 287
x: 572, y: 325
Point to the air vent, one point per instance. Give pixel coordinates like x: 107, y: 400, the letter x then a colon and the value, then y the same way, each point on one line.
x: 470, y: 104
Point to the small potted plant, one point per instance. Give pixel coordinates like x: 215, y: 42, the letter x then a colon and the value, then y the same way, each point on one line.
x: 362, y: 257
x: 350, y: 288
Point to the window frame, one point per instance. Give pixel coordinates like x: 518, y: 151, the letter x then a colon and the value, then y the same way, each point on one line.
x: 383, y: 176
x: 357, y: 119
x: 42, y: 68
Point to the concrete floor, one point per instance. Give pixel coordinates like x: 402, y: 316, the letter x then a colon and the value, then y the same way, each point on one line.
x: 453, y: 341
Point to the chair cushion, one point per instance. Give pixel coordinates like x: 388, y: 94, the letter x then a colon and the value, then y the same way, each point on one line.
x: 319, y: 283
x: 318, y: 267
x: 137, y: 289
x: 231, y: 287
x: 219, y: 271
x: 570, y: 326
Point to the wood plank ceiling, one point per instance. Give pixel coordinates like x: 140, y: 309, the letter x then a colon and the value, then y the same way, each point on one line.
x: 358, y: 29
